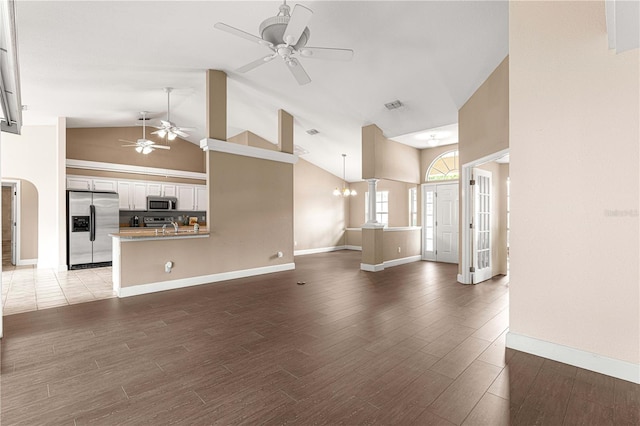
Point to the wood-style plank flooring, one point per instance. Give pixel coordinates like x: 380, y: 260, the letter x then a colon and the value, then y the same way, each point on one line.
x: 404, y: 346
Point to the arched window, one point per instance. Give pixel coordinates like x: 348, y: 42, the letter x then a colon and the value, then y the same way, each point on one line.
x: 445, y: 167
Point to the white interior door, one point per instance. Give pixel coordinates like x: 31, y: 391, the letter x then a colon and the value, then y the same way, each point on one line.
x: 481, y: 244
x: 447, y: 223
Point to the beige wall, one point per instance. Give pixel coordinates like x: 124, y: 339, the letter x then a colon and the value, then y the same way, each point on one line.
x: 383, y: 158
x: 483, y: 121
x: 103, y: 144
x: 574, y: 240
x: 353, y: 237
x: 319, y: 216
x: 499, y: 175
x: 33, y: 156
x: 251, y: 211
x: 401, y: 244
x: 251, y: 139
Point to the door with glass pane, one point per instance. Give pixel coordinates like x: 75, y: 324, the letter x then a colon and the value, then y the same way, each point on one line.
x: 481, y: 244
x: 440, y: 223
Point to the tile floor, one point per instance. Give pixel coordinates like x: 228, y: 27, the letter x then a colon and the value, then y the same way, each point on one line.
x: 26, y: 288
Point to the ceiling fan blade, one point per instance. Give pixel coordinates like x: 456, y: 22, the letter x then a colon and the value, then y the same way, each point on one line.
x: 327, y: 53
x: 297, y: 23
x: 157, y: 132
x: 239, y: 33
x: 131, y: 145
x: 160, y: 146
x: 186, y: 129
x: 255, y: 64
x: 298, y: 72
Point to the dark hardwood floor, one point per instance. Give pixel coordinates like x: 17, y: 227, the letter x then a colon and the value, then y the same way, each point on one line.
x: 407, y: 345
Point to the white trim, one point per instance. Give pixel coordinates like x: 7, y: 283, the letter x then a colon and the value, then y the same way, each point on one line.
x: 203, y: 279
x: 590, y: 361
x: 127, y: 168
x: 356, y: 248
x: 24, y: 262
x: 402, y: 261
x: 247, y: 151
x: 318, y: 250
x: 403, y: 228
x: 353, y: 229
x: 465, y: 189
x: 373, y: 225
x: 372, y: 268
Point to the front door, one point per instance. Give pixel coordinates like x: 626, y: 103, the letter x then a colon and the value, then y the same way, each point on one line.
x: 440, y: 222
x: 481, y: 252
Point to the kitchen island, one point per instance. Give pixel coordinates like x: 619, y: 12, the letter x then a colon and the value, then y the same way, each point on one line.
x: 145, y: 233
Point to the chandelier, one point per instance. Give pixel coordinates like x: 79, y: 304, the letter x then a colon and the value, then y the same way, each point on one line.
x: 345, y: 192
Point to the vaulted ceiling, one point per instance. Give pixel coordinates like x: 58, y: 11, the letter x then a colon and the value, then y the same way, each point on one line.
x: 99, y: 63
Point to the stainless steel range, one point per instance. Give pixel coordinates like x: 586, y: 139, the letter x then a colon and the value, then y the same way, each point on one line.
x: 158, y: 221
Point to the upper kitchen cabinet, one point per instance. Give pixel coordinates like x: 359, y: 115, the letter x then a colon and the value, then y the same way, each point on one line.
x: 154, y: 189
x: 105, y: 185
x: 79, y: 183
x: 90, y: 184
x: 133, y: 195
x: 192, y: 197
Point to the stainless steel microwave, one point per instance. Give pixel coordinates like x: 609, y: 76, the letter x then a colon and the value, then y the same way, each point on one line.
x: 161, y: 203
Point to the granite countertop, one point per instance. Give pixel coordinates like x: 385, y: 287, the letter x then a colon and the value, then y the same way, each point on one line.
x: 156, y: 233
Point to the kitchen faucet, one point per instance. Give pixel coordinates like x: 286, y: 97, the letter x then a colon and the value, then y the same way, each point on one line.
x: 175, y: 226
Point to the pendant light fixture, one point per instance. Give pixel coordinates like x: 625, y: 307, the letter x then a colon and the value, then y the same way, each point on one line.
x: 345, y: 192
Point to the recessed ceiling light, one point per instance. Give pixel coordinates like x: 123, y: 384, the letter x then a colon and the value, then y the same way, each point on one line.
x: 393, y: 105
x: 312, y: 132
x: 298, y: 150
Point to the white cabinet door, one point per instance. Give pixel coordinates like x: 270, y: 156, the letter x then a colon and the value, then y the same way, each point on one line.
x: 139, y: 196
x: 154, y: 189
x: 125, y: 190
x: 186, y: 197
x: 168, y: 190
x: 105, y: 185
x: 78, y: 183
x: 201, y: 197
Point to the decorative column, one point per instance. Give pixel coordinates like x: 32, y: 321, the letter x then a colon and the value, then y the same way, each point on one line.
x: 372, y: 201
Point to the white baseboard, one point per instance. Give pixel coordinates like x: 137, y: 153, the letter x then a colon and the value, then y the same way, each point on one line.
x: 389, y: 263
x: 372, y: 268
x: 397, y: 262
x: 318, y: 250
x: 589, y: 361
x: 203, y: 279
x: 356, y: 248
x: 24, y: 262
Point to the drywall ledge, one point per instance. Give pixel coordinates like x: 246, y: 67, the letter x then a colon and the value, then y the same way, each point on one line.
x: 127, y: 168
x: 247, y: 151
x: 318, y: 250
x: 600, y: 364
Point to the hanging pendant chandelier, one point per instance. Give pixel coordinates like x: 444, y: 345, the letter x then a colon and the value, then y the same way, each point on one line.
x: 344, y: 192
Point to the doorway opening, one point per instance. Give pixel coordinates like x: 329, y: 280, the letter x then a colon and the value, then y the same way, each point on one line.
x: 485, y: 218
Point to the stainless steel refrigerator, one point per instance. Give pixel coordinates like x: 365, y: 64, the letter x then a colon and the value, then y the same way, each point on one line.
x: 91, y: 217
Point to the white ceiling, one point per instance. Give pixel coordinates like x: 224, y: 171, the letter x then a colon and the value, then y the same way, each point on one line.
x: 99, y: 63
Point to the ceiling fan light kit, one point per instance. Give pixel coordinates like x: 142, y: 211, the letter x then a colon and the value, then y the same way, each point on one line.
x: 286, y: 35
x: 167, y: 127
x: 144, y: 145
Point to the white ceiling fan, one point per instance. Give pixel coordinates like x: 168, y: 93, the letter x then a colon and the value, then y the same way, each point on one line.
x: 167, y: 127
x: 144, y: 145
x: 286, y: 35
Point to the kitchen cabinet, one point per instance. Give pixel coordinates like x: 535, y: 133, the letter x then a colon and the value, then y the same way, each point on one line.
x: 104, y: 185
x: 79, y: 183
x: 186, y: 197
x: 168, y: 190
x: 154, y: 189
x: 132, y: 195
x: 201, y: 197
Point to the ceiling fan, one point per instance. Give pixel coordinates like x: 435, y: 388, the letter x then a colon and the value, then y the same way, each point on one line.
x: 286, y: 35
x: 144, y: 145
x: 167, y: 127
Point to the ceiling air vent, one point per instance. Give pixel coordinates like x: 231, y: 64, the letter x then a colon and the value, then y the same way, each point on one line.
x: 393, y: 105
x: 312, y: 132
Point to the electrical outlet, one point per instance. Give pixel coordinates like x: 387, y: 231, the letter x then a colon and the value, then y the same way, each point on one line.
x: 398, y: 249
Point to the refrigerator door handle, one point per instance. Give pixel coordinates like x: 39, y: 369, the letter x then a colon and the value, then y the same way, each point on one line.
x: 92, y: 222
